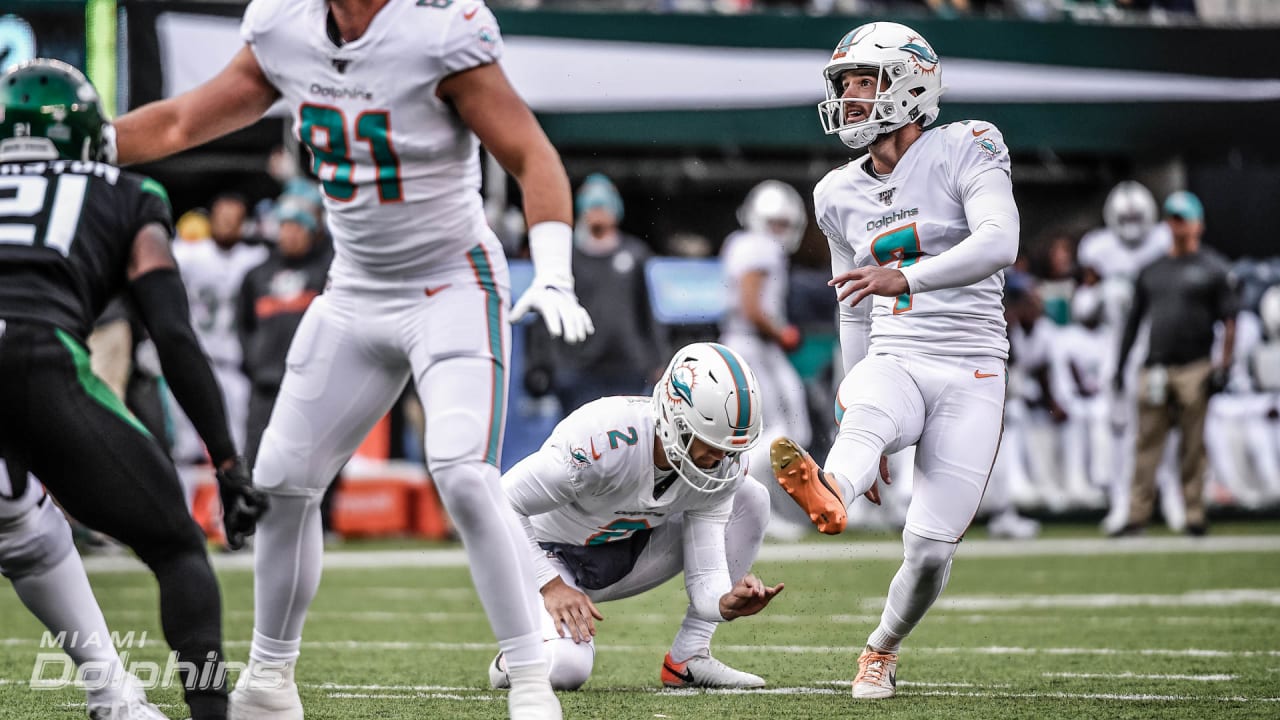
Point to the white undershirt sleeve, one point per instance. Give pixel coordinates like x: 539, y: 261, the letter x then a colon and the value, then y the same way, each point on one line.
x: 706, y: 570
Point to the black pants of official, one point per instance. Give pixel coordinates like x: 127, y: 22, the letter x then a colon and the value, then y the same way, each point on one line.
x: 62, y: 423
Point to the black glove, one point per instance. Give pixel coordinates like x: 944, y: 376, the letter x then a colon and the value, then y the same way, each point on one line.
x: 1218, y: 380
x: 537, y: 380
x: 242, y: 504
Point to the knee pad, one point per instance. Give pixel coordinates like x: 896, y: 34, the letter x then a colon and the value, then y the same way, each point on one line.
x: 869, y: 424
x: 282, y: 468
x: 929, y: 556
x: 570, y: 662
x: 457, y: 435
x: 34, y: 542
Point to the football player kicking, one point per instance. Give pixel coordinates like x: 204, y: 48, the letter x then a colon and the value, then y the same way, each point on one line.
x: 74, y: 233
x: 628, y: 492
x: 393, y: 100
x: 923, y: 225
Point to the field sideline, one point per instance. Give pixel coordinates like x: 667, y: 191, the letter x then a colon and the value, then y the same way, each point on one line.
x: 1068, y: 627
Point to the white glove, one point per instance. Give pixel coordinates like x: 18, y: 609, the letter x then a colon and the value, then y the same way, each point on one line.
x: 107, y: 150
x: 551, y: 292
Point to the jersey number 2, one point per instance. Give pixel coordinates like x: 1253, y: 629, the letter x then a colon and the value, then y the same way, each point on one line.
x: 24, y: 196
x: 324, y: 130
x: 901, y: 245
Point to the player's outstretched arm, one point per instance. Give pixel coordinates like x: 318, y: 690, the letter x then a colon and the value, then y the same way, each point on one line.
x: 487, y: 103
x: 161, y: 298
x: 232, y: 99
x: 748, y: 597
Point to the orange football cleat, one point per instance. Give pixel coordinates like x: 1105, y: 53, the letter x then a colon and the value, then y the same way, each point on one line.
x: 809, y: 486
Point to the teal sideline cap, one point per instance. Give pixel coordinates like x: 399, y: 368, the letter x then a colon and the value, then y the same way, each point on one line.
x: 1184, y: 205
x: 597, y: 190
x: 295, y: 212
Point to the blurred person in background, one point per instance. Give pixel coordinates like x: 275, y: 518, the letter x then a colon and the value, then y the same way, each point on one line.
x: 1184, y: 294
x: 1082, y: 353
x: 1111, y: 257
x: 756, y: 262
x: 624, y: 356
x: 212, y: 269
x: 1238, y: 436
x: 273, y: 298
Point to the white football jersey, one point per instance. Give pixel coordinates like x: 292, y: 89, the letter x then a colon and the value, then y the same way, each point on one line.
x: 1090, y: 352
x: 745, y: 252
x: 399, y: 169
x: 916, y: 213
x: 213, y: 277
x: 606, y: 449
x: 1106, y: 254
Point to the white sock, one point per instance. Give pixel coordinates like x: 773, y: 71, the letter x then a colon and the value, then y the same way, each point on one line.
x: 693, y: 639
x: 274, y: 652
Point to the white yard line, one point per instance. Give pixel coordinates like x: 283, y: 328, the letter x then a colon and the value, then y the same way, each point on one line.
x: 1139, y: 676
x: 371, y: 645
x: 1195, y: 598
x: 853, y: 551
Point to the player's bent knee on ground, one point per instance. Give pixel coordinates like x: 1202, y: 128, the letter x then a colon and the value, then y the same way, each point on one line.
x: 570, y: 662
x: 35, y: 541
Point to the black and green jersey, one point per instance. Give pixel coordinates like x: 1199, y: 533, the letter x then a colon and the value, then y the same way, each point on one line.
x: 66, y: 234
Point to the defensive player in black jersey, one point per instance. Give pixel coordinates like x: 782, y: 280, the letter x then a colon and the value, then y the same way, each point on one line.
x: 74, y: 232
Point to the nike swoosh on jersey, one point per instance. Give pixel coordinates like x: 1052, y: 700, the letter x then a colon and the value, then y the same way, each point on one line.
x: 979, y: 374
x: 431, y: 292
x: 470, y: 13
x: 979, y: 133
x: 594, y: 455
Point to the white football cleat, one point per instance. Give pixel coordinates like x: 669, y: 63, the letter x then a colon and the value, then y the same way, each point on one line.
x: 265, y: 691
x: 531, y: 697
x: 877, y: 677
x: 498, y: 678
x: 130, y: 705
x: 1009, y: 524
x: 706, y: 672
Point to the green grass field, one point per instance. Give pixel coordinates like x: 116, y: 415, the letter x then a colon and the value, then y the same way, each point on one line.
x: 1161, y: 632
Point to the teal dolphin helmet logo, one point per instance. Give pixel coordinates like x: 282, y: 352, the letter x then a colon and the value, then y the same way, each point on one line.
x: 923, y: 54
x: 682, y: 384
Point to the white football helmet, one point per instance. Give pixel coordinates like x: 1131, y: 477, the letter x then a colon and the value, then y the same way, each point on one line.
x: 707, y: 392
x: 1130, y: 211
x: 1269, y: 311
x: 909, y: 82
x: 775, y: 201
